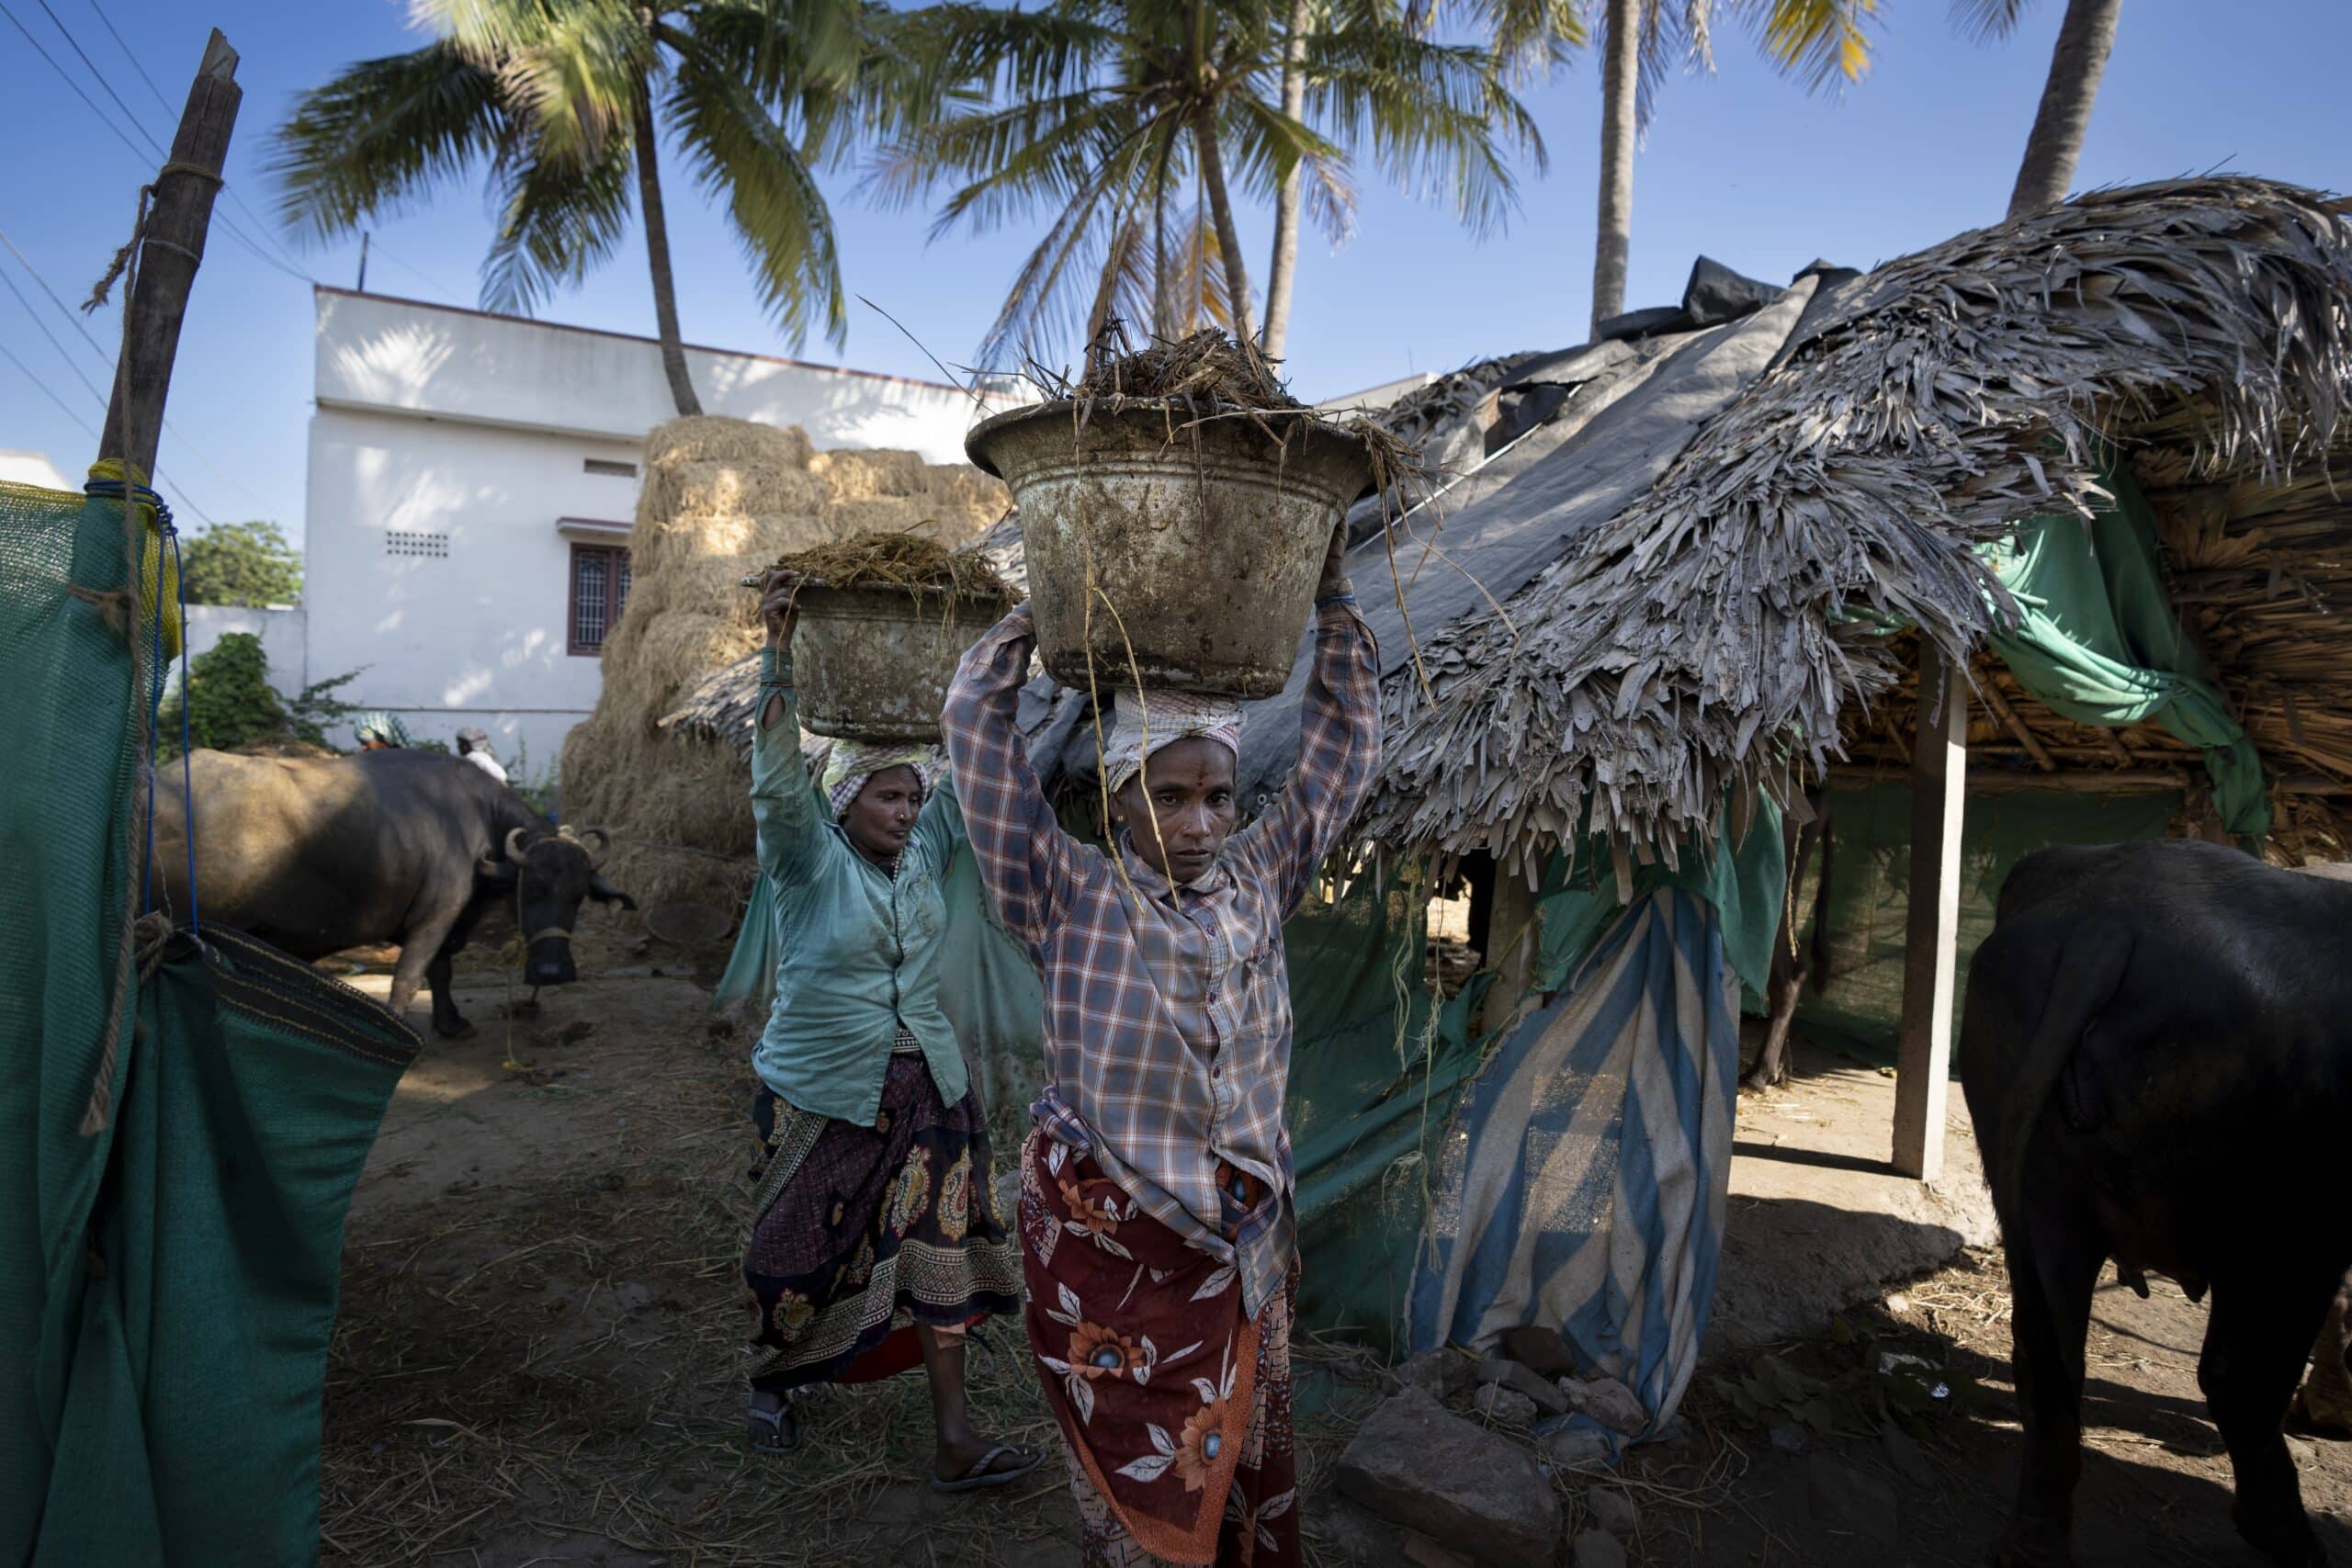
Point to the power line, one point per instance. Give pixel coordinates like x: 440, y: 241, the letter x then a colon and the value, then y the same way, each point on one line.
x: 240, y: 201
x: 63, y: 309
x: 43, y: 327
x: 63, y: 407
x: 223, y: 220
x: 428, y: 278
x: 166, y: 102
x: 67, y: 78
x: 97, y: 348
x: 67, y: 409
x: 103, y: 86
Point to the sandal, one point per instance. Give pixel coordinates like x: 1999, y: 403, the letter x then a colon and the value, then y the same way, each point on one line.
x: 981, y: 1474
x: 772, y: 1431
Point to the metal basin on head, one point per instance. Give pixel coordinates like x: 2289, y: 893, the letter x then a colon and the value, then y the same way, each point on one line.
x: 872, y: 663
x: 1167, y: 550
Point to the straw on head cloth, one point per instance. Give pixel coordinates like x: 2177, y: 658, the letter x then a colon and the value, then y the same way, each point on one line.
x: 854, y: 761
x: 1147, y: 722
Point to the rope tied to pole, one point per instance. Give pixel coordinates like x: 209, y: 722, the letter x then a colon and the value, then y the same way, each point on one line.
x: 122, y: 258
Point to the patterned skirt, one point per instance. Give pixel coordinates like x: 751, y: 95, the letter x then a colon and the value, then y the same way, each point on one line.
x: 860, y: 1233
x: 1174, y: 1405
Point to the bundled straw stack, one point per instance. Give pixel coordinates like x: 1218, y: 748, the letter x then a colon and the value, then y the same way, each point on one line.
x: 724, y: 498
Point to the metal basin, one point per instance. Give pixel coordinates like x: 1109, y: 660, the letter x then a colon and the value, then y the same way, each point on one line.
x: 873, y: 663
x: 1203, y: 544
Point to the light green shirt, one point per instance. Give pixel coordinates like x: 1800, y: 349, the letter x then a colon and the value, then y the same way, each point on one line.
x: 859, y: 948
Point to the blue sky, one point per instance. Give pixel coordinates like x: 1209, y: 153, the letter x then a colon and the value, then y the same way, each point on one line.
x: 1742, y: 166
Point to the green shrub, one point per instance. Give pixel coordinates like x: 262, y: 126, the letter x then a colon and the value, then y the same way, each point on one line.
x: 232, y: 706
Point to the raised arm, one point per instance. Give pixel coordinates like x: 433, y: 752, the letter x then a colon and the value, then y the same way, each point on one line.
x: 1339, y: 746
x: 784, y: 804
x: 1027, y: 862
x: 939, y: 831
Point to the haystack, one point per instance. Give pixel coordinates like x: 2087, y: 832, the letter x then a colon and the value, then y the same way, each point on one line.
x: 723, y: 497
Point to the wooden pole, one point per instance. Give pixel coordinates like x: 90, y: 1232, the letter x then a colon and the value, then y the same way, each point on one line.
x: 177, y: 221
x: 1932, y: 932
x: 1511, y: 939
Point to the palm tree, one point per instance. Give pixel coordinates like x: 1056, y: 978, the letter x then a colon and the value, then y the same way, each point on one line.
x: 1102, y: 112
x: 2086, y: 38
x: 1528, y: 37
x: 1821, y: 41
x: 563, y: 104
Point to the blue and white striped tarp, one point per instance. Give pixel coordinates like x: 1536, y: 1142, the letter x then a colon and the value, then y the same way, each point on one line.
x: 1583, y: 1183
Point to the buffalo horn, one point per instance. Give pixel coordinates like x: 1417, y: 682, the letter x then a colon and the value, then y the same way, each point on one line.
x: 597, y: 843
x: 514, y: 844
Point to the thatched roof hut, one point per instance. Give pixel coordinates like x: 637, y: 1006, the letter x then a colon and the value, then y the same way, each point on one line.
x: 1663, y: 573
x: 1716, y: 635
x: 1676, y: 578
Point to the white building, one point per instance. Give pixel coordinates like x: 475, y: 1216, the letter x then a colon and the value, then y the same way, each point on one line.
x: 473, y: 479
x: 31, y: 469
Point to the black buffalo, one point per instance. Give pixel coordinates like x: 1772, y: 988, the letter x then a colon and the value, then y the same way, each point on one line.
x: 416, y: 848
x: 2157, y: 1055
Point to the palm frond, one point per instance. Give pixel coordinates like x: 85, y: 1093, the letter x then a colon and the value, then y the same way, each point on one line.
x: 558, y: 218
x: 1821, y: 42
x: 743, y: 157
x: 574, y: 69
x: 379, y: 136
x: 1984, y: 20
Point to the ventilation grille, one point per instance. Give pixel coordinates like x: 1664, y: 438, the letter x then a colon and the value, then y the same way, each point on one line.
x: 405, y: 542
x: 610, y: 469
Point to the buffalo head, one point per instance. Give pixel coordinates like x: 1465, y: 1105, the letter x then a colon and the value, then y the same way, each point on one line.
x: 542, y: 881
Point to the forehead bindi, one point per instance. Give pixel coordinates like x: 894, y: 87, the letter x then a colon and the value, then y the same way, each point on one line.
x: 1190, y: 763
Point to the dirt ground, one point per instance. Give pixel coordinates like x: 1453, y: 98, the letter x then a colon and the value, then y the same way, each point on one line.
x: 538, y: 1359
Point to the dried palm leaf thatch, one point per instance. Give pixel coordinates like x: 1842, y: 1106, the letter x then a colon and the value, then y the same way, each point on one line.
x: 1705, y: 642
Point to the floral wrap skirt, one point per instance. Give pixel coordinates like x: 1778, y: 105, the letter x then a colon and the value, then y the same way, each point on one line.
x: 860, y: 1233
x: 1174, y: 1404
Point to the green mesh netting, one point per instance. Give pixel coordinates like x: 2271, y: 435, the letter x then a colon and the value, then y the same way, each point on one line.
x: 1869, y: 883
x: 64, y: 800
x: 170, y: 1264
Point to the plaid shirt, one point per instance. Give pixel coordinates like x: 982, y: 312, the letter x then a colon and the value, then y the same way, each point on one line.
x: 1168, y: 1025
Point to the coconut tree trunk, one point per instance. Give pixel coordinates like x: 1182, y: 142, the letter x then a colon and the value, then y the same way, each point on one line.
x: 1237, y: 272
x: 2085, y: 39
x: 1621, y: 71
x: 656, y: 255
x: 1283, y: 269
x: 1164, y: 302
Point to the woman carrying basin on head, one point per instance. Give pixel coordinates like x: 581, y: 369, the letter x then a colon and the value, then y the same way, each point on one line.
x: 874, y: 1243
x: 1158, y: 1239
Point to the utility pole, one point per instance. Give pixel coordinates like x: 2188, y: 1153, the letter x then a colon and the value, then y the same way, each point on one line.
x: 169, y: 253
x: 363, y: 264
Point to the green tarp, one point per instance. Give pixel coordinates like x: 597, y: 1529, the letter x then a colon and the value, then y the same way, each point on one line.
x: 2097, y: 641
x: 1377, y: 1062
x: 1870, y: 888
x: 2100, y: 643
x: 171, y: 1264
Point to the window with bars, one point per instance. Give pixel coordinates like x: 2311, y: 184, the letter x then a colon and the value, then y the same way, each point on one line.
x: 599, y: 593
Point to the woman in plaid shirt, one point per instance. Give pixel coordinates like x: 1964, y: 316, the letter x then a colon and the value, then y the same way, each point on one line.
x: 1159, y: 1242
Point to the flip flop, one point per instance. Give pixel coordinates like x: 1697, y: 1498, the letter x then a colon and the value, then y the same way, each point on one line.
x: 766, y: 1429
x: 980, y: 1475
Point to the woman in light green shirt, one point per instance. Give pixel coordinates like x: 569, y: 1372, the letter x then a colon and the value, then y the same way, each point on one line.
x: 876, y: 1243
